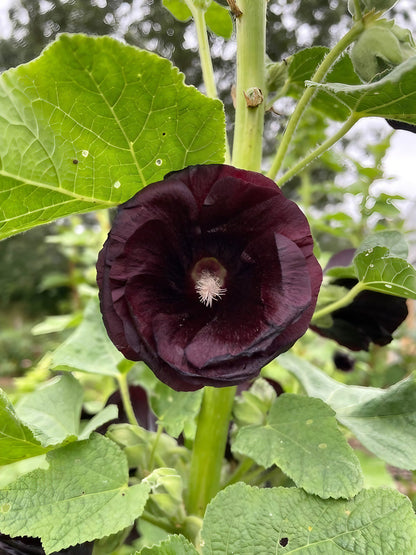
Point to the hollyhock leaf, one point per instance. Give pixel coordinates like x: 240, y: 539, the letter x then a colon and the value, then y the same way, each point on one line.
x: 303, y: 65
x: 110, y: 412
x: 392, y: 97
x: 77, y: 499
x: 175, y: 409
x: 17, y: 441
x: 302, y: 438
x: 53, y: 410
x: 386, y: 274
x: 218, y: 19
x: 88, y: 348
x: 394, y: 241
x: 174, y: 545
x: 246, y: 520
x: 178, y: 8
x: 384, y: 420
x: 92, y: 121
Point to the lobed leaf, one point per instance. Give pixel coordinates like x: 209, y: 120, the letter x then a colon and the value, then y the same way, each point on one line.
x: 174, y: 545
x: 17, y: 441
x: 384, y: 420
x: 77, y: 499
x: 302, y: 438
x: 246, y: 520
x: 88, y: 348
x: 392, y: 97
x: 92, y: 121
x: 386, y: 274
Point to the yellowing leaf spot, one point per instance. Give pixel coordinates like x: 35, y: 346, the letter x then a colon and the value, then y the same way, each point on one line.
x: 310, y: 528
x: 5, y: 508
x: 309, y: 422
x: 322, y: 446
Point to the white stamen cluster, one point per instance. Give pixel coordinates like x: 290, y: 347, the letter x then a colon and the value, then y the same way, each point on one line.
x: 208, y: 287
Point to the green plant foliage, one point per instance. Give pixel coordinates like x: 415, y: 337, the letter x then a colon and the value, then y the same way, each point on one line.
x: 280, y: 520
x: 386, y: 274
x: 46, y: 419
x: 77, y: 499
x: 385, y: 98
x: 302, y: 438
x: 74, y: 147
x: 17, y: 441
x: 176, y: 410
x: 303, y: 65
x: 394, y: 241
x: 383, y: 420
x: 88, y: 348
x: 174, y: 545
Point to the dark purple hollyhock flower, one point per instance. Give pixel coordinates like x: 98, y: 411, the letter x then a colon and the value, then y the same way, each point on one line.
x: 208, y: 275
x: 370, y: 317
x: 401, y: 125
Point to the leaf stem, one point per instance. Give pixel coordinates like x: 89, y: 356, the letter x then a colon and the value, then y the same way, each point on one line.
x: 249, y: 120
x: 318, y: 77
x: 351, y: 121
x: 125, y: 397
x: 209, y: 447
x: 346, y: 300
x: 198, y: 15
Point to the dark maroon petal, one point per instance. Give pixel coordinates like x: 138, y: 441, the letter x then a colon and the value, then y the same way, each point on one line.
x: 396, y: 124
x: 208, y: 219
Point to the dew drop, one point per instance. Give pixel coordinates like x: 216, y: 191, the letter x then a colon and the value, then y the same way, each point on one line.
x: 388, y: 285
x: 5, y: 508
x: 159, y: 162
x: 85, y: 153
x: 371, y: 266
x: 117, y: 185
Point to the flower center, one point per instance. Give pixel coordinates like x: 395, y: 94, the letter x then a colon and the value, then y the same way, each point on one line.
x: 208, y: 276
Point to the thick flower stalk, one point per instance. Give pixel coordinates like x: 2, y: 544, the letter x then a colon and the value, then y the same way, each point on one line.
x: 370, y: 318
x: 208, y: 275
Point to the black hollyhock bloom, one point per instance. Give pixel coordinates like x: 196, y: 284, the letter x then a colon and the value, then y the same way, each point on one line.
x: 343, y: 362
x: 401, y: 125
x: 208, y: 275
x: 370, y: 317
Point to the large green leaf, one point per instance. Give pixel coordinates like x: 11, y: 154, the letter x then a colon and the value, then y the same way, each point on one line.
x: 302, y: 438
x: 88, y: 348
x: 384, y: 420
x: 83, y: 495
x: 393, y: 96
x: 303, y: 65
x: 246, y: 520
x: 386, y: 274
x: 17, y: 441
x: 92, y: 121
x: 174, y: 545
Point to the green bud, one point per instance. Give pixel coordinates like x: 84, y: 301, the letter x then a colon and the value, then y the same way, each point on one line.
x: 202, y: 4
x: 166, y: 494
x: 380, y: 48
x: 253, y: 405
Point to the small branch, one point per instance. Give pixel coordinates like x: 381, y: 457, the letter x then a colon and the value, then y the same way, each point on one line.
x: 349, y: 297
x: 318, y: 151
x: 125, y: 397
x: 318, y: 77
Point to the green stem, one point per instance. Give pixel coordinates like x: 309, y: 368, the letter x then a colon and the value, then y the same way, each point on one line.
x: 125, y: 397
x: 155, y: 444
x: 352, y: 120
x: 204, y: 53
x: 209, y: 447
x: 318, y: 77
x: 346, y: 300
x: 249, y: 121
x: 198, y: 15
